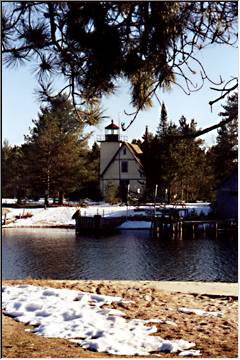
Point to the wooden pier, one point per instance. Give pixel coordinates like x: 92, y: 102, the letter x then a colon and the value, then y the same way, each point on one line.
x: 177, y: 227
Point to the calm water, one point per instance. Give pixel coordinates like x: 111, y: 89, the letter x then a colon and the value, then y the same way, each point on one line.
x: 128, y: 255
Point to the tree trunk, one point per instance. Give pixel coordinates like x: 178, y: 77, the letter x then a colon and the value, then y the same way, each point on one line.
x: 169, y: 195
x: 60, y: 199
x: 46, y: 203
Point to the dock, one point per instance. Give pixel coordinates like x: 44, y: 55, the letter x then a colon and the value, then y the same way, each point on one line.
x: 168, y: 224
x: 176, y: 227
x: 96, y: 224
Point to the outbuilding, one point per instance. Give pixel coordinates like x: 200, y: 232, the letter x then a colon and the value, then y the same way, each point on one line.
x: 227, y: 196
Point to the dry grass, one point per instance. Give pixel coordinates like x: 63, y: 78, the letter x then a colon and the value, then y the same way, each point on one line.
x: 215, y: 337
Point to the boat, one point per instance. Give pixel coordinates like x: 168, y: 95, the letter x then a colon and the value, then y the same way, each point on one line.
x: 97, y: 223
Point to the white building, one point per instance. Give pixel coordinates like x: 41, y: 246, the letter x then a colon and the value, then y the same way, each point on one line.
x: 120, y: 163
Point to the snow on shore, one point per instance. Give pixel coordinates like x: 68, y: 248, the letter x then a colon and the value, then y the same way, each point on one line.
x: 79, y: 317
x: 199, y: 312
x: 62, y: 216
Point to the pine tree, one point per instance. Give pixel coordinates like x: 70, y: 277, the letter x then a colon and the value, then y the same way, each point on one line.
x: 55, y: 145
x: 94, y: 44
x: 6, y: 154
x: 14, y: 174
x: 89, y: 183
x: 225, y: 153
x: 163, y: 125
x: 177, y: 164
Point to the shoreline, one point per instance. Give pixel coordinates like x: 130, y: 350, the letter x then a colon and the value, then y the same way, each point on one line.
x: 39, y: 226
x: 214, y: 336
x: 218, y: 289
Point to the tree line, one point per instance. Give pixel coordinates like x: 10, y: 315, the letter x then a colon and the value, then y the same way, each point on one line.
x: 180, y: 165
x: 55, y: 159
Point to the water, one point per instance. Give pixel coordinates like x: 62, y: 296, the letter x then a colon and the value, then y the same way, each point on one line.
x: 128, y: 255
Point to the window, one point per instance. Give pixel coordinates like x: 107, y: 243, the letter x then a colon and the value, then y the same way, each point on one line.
x: 124, y: 151
x: 124, y: 166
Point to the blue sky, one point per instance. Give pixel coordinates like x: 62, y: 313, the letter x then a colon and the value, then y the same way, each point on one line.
x: 19, y: 104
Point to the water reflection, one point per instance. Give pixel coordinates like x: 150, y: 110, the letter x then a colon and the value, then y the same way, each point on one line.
x: 128, y: 255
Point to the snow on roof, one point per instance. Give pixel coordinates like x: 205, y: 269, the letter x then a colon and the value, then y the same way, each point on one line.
x: 80, y: 318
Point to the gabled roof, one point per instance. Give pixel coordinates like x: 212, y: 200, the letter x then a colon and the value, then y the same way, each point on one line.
x: 134, y: 149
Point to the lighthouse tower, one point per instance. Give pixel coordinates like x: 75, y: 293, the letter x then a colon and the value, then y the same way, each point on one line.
x: 110, y: 145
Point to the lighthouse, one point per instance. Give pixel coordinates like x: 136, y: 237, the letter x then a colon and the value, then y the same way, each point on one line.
x: 120, y: 163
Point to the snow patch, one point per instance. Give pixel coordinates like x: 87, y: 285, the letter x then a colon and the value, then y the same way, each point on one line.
x: 80, y: 318
x: 199, y: 312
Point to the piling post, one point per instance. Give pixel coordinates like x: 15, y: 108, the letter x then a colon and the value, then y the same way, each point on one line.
x: 216, y: 229
x: 180, y: 230
x: 204, y: 228
x: 97, y: 223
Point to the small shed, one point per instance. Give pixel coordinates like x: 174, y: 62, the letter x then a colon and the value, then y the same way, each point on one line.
x: 227, y: 196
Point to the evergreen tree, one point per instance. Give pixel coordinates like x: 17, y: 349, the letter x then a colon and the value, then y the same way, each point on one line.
x: 225, y: 153
x: 6, y: 154
x: 14, y: 174
x: 93, y: 44
x: 89, y: 182
x: 175, y: 163
x: 163, y: 125
x: 55, y: 147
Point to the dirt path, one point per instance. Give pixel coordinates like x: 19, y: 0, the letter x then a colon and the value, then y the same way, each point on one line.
x: 214, y: 336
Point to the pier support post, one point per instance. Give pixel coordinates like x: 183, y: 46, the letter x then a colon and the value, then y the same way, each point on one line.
x: 216, y: 229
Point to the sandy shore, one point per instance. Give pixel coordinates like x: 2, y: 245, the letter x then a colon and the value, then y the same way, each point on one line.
x: 214, y: 336
x: 192, y: 287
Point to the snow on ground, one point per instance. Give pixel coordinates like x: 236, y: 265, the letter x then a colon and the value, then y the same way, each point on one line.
x: 59, y: 216
x: 199, y: 312
x: 9, y: 201
x: 79, y: 317
x: 62, y: 216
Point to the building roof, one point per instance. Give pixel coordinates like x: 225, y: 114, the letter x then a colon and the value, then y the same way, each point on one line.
x: 136, y: 148
x: 112, y: 126
x: 133, y: 148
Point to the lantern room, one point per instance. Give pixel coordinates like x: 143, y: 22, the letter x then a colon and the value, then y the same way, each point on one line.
x: 112, y: 132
